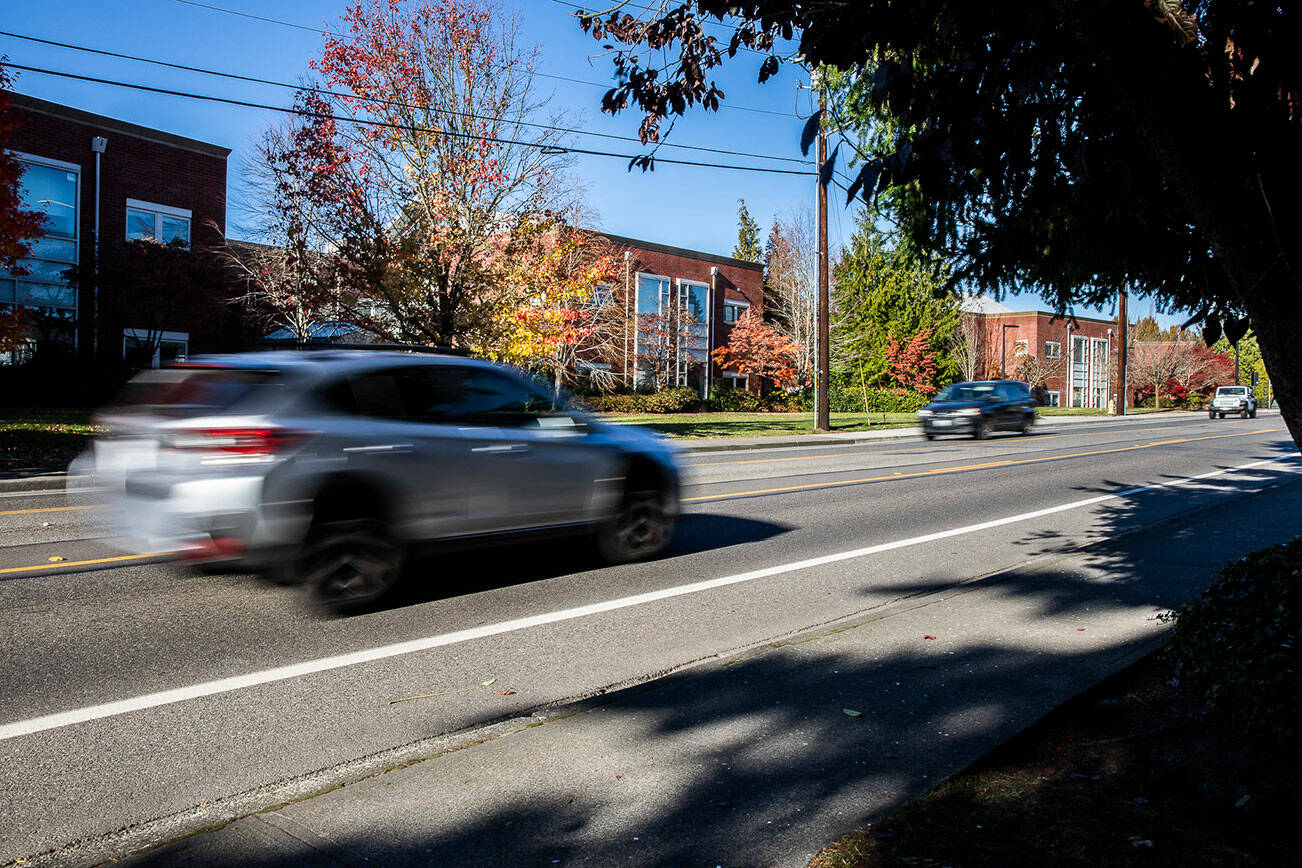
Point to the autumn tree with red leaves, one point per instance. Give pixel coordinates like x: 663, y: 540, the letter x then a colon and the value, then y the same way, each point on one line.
x: 757, y: 350
x: 430, y: 196
x: 19, y: 227
x: 911, y: 364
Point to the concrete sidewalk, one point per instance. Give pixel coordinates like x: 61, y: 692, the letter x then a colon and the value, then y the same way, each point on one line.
x: 764, y: 759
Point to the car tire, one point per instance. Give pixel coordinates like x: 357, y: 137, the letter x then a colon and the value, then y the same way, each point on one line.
x: 349, y: 565
x: 1220, y: 415
x: 982, y: 429
x: 1243, y: 414
x: 929, y: 436
x: 1252, y: 414
x: 1026, y: 427
x: 1211, y: 414
x: 640, y: 528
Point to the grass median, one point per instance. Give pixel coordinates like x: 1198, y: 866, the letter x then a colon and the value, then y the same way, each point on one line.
x: 689, y: 425
x: 43, y: 437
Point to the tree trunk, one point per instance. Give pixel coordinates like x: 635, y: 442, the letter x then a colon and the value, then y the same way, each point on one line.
x: 1279, y: 335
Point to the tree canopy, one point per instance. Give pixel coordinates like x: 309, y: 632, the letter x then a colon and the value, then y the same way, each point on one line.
x: 748, y: 236
x: 1072, y: 147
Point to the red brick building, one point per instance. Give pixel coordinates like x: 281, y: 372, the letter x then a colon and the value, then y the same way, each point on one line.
x: 1074, y: 356
x: 705, y: 292
x: 107, y: 181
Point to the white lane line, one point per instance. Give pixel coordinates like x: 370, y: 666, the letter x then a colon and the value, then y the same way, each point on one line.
x: 338, y: 661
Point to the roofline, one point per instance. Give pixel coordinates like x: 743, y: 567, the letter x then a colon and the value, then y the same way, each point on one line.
x: 1048, y: 313
x: 678, y: 251
x: 58, y: 110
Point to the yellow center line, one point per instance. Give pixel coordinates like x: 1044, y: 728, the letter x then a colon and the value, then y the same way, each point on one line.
x: 62, y: 565
x: 938, y: 471
x: 48, y: 509
x: 990, y: 444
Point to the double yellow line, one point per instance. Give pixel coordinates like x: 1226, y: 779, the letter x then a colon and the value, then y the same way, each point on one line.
x: 940, y: 471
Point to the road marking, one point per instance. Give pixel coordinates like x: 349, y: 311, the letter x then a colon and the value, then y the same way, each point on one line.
x: 989, y: 444
x: 63, y: 565
x: 941, y: 471
x: 49, y: 509
x: 398, y: 649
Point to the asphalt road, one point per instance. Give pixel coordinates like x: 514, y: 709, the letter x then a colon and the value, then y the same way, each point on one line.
x: 773, y: 543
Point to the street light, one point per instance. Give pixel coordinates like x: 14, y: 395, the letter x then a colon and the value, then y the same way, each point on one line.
x: 1003, y: 349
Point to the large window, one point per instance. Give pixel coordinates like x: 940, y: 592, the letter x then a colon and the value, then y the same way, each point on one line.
x: 51, y: 188
x: 147, y: 221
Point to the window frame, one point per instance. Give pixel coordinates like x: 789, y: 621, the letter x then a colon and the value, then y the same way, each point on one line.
x: 159, y: 212
x: 163, y: 337
x: 738, y: 305
x: 1057, y: 349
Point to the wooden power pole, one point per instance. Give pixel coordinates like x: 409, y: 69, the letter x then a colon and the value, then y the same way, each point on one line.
x: 822, y: 421
x: 1123, y: 354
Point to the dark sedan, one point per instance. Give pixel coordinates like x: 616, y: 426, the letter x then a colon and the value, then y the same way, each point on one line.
x: 979, y: 408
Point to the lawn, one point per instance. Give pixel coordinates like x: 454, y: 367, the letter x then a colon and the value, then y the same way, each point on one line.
x: 42, y: 437
x: 1130, y: 773
x: 686, y: 425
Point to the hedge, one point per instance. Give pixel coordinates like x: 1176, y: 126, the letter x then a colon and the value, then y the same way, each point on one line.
x: 1238, y: 643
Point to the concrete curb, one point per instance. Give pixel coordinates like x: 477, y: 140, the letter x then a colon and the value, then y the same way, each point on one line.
x: 46, y: 479
x: 727, y: 444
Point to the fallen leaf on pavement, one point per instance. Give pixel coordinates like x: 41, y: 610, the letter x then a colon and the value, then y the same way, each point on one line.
x: 508, y: 692
x: 488, y: 682
x: 56, y: 559
x: 928, y: 637
x: 850, y: 712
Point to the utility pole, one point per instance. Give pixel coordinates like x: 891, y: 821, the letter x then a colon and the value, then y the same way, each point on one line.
x: 1123, y: 353
x: 822, y: 420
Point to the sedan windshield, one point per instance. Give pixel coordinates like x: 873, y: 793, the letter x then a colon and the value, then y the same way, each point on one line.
x: 967, y: 392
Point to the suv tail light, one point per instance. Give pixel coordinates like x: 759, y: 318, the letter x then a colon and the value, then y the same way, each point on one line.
x: 237, y: 441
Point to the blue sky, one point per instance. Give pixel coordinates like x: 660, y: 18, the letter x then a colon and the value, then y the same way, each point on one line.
x: 685, y: 206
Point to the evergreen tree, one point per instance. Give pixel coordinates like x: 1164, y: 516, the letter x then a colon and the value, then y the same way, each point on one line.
x: 748, y: 232
x: 882, y: 294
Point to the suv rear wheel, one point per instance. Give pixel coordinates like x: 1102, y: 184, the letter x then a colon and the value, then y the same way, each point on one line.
x: 349, y: 564
x: 640, y: 528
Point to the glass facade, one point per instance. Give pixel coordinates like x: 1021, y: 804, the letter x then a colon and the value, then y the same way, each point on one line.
x: 53, y: 191
x: 673, y: 331
x: 1087, y: 376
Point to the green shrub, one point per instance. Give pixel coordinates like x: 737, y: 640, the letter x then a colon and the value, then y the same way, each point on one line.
x: 735, y: 401
x: 682, y: 399
x: 1238, y: 643
x: 846, y: 399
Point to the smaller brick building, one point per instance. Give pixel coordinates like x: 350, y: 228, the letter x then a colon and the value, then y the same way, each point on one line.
x: 700, y: 295
x: 102, y: 182
x: 1075, y: 356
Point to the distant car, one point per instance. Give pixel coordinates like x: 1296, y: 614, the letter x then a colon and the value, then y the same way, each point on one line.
x: 325, y: 467
x: 1233, y: 399
x: 979, y: 408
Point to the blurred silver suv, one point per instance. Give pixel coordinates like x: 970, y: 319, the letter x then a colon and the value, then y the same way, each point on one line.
x: 326, y: 467
x: 1233, y: 399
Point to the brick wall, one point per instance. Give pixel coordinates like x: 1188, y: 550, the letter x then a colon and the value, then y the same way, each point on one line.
x: 138, y: 163
x: 995, y: 343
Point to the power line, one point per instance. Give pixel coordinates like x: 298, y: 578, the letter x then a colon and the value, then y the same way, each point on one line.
x: 380, y: 101
x: 325, y: 30
x: 385, y: 125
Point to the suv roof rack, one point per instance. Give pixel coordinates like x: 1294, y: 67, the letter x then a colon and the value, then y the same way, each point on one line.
x: 401, y: 348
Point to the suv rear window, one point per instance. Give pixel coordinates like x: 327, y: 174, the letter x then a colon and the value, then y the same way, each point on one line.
x: 195, y: 391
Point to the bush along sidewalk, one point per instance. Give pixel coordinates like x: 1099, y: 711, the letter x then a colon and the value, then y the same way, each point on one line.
x: 1185, y: 758
x: 684, y: 399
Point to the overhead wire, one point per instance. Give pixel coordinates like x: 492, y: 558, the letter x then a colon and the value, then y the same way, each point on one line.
x: 386, y: 125
x: 326, y: 31
x: 380, y: 101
